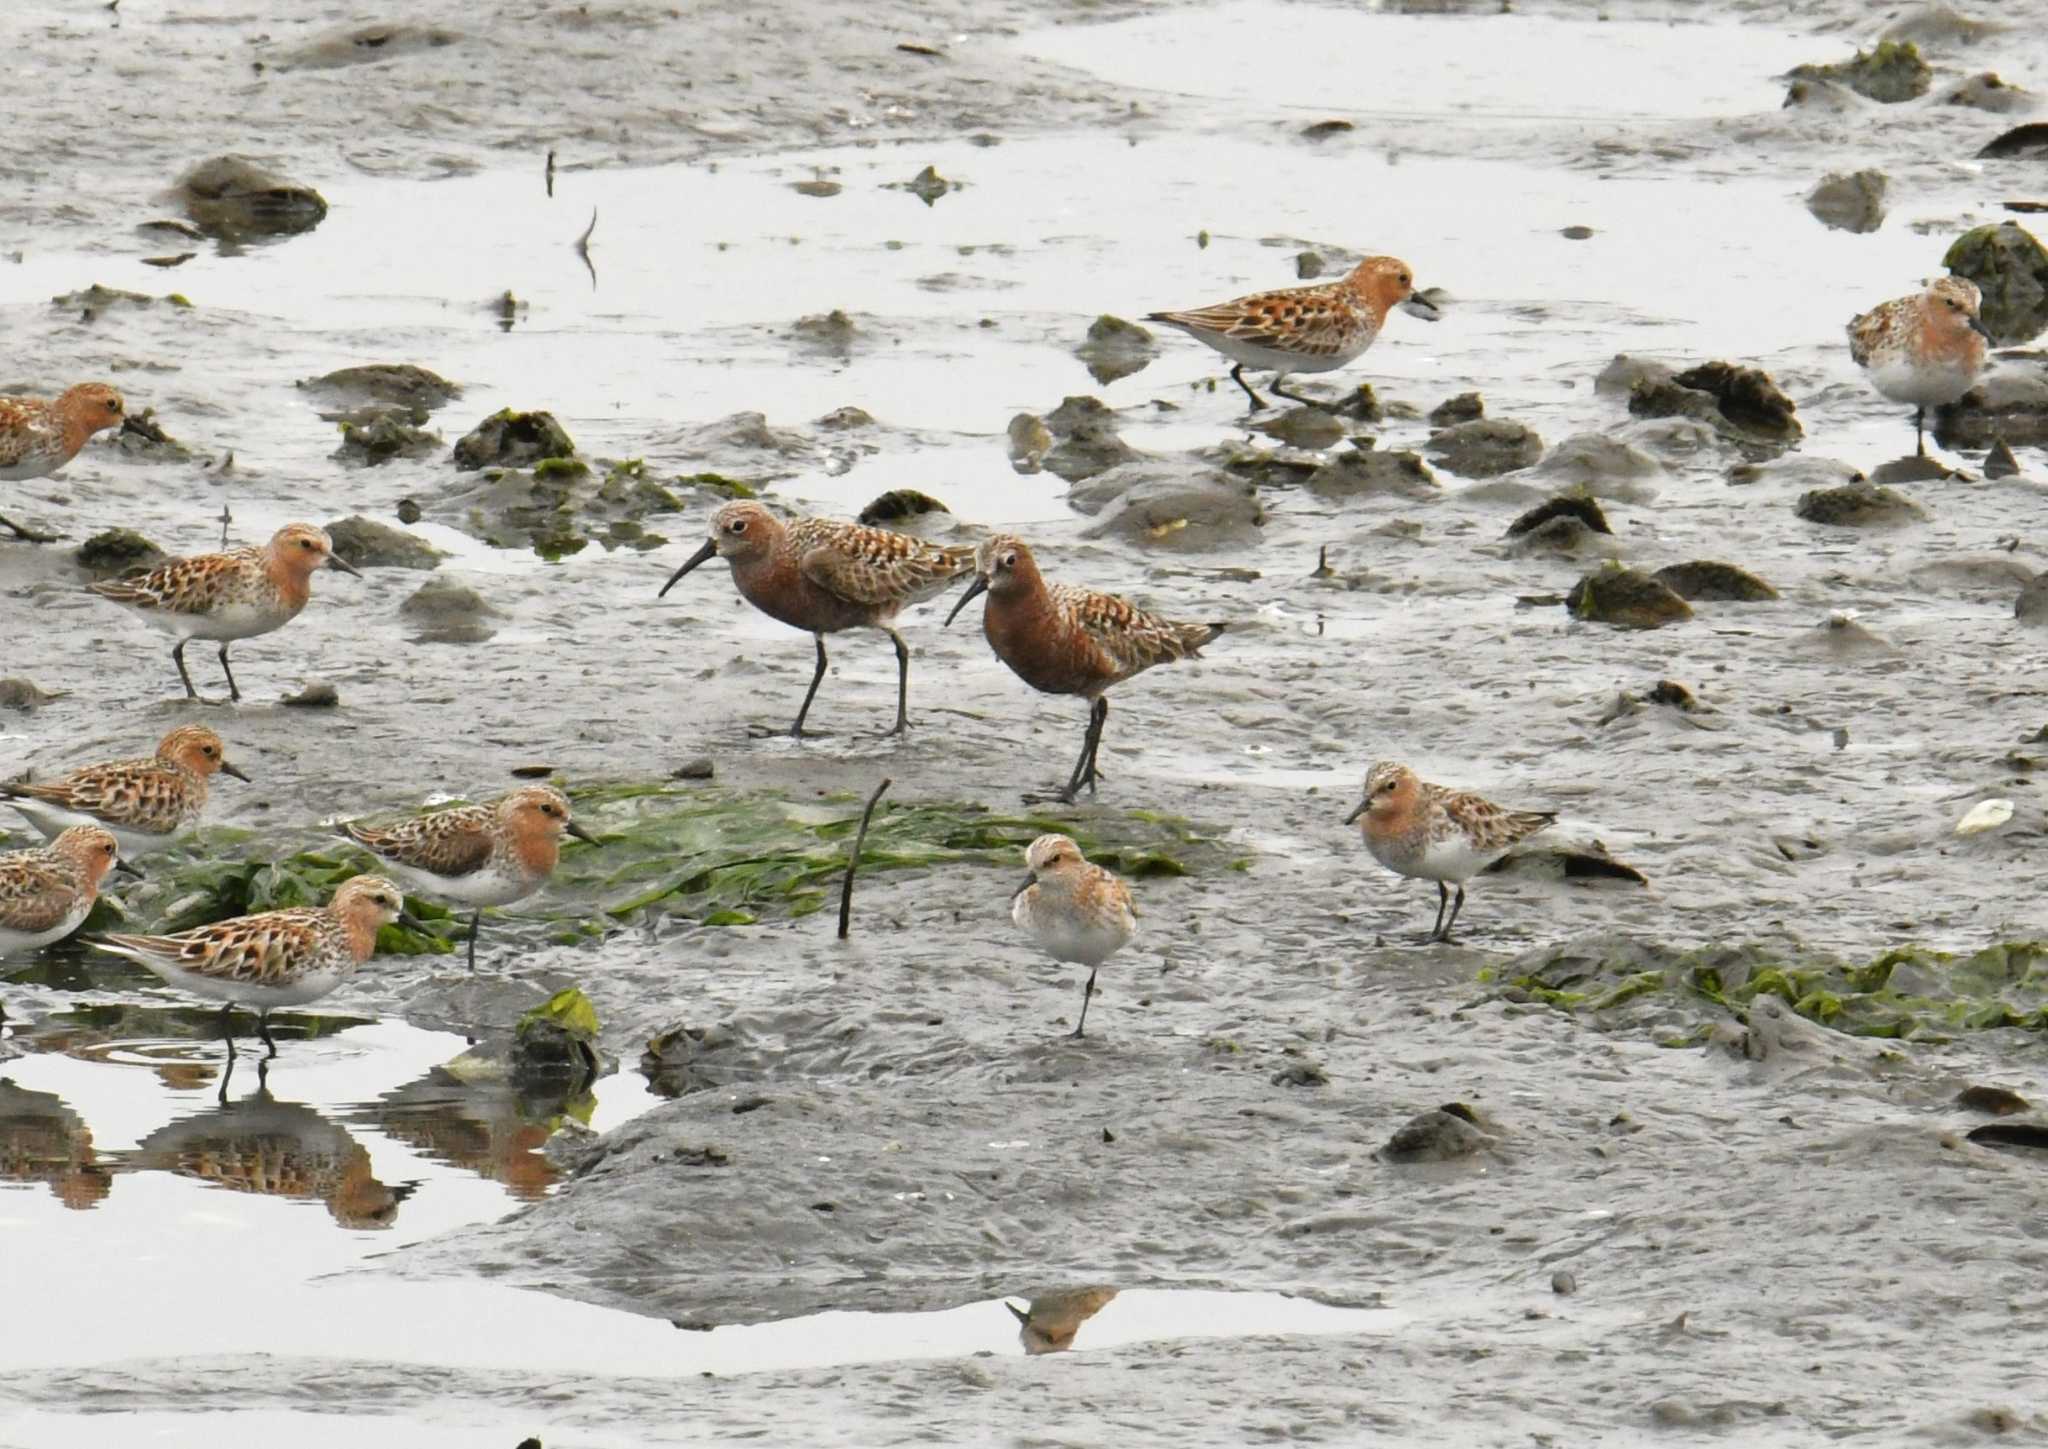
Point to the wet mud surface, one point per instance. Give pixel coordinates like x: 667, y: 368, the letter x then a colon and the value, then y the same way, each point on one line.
x: 1711, y: 1180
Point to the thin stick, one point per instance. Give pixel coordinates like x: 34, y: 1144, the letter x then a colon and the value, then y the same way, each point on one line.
x: 583, y: 248
x: 853, y: 864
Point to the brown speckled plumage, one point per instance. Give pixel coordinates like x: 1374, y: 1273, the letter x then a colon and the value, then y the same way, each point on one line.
x: 1061, y: 639
x: 143, y: 801
x: 824, y: 575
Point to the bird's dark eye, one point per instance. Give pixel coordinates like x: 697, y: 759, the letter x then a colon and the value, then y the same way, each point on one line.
x: 738, y: 525
x: 1007, y: 561
x: 1405, y: 280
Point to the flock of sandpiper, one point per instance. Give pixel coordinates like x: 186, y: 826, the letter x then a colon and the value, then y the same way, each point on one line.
x: 815, y: 574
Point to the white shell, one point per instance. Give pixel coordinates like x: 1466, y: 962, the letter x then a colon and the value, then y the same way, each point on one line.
x: 1984, y: 815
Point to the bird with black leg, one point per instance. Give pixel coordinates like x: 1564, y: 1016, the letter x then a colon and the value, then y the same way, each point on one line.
x: 1427, y: 832
x: 1060, y: 639
x: 1075, y: 910
x: 824, y: 576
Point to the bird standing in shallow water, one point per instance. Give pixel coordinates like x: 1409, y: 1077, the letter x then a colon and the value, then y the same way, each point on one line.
x: 46, y: 894
x: 1074, y: 910
x: 1303, y: 329
x: 1925, y: 349
x: 228, y: 596
x: 823, y: 575
x: 1427, y: 832
x: 145, y: 803
x: 275, y: 958
x: 477, y: 855
x: 1065, y: 640
x: 37, y: 437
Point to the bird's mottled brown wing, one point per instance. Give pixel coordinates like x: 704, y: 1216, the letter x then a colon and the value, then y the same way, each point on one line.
x: 260, y: 950
x: 1126, y: 638
x: 139, y: 793
x: 1493, y: 827
x: 182, y: 586
x: 1874, y: 328
x: 447, y: 842
x: 25, y: 422
x: 1313, y: 321
x: 36, y: 891
x: 873, y: 566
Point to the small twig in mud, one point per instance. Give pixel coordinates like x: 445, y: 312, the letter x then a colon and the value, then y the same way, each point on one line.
x: 1323, y: 569
x: 853, y: 862
x: 551, y: 173
x: 225, y: 519
x: 583, y: 248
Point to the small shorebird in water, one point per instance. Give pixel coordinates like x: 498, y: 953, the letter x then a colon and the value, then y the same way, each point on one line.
x: 38, y: 437
x: 1060, y: 639
x: 1075, y: 911
x: 1427, y: 832
x: 46, y: 893
x: 1303, y: 329
x: 228, y: 596
x: 1926, y: 349
x: 477, y: 855
x: 275, y: 958
x: 145, y: 803
x: 824, y: 576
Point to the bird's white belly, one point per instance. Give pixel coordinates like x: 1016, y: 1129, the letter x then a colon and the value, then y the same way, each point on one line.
x: 54, y: 820
x: 310, y: 987
x: 223, y: 622
x: 1922, y: 386
x: 1270, y: 358
x: 1449, y: 859
x: 487, y: 887
x: 1067, y: 937
x: 12, y: 941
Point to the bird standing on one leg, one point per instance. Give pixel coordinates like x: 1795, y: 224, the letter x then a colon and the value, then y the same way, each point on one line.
x: 1065, y: 640
x: 1427, y: 832
x: 477, y: 855
x: 1075, y: 911
x: 228, y: 596
x: 1303, y: 329
x: 822, y: 575
x: 1926, y: 349
x: 37, y: 438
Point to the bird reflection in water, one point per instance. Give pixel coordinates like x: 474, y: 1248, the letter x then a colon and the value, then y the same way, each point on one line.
x: 1052, y: 1320
x: 258, y: 1144
x: 43, y: 1140
x: 494, y: 1126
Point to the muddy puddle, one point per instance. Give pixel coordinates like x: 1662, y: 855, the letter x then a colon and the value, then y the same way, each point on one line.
x: 1304, y: 1179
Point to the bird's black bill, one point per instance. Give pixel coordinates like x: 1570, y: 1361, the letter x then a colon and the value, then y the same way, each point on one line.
x: 336, y: 561
x: 710, y: 548
x: 227, y: 769
x: 581, y: 834
x: 979, y: 586
x: 1024, y: 885
x: 413, y: 923
x: 1421, y: 306
x: 1981, y: 330
x: 122, y: 867
x: 1360, y: 810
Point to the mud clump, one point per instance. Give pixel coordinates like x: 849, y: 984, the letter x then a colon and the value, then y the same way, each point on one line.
x: 1310, y: 428
x: 389, y: 384
x: 1595, y: 464
x: 117, y: 551
x: 1484, y: 447
x: 1705, y: 581
x: 831, y: 333
x: 1565, y: 505
x: 1852, y: 202
x: 1625, y: 372
x: 1746, y: 397
x: 2022, y: 142
x: 23, y: 695
x: 1891, y: 73
x: 1466, y: 407
x: 1441, y: 1134
x: 561, y: 507
x: 2010, y: 268
x: 443, y: 611
x: 1030, y: 440
x: 233, y: 198
x: 364, y: 45
x: 95, y: 299
x: 369, y: 544
x: 1987, y: 92
x: 900, y: 505
x: 1367, y: 472
x: 381, y: 435
x: 1626, y: 599
x: 1859, y: 505
x: 1115, y: 349
x: 508, y: 439
x: 1146, y: 504
x: 1088, y: 442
